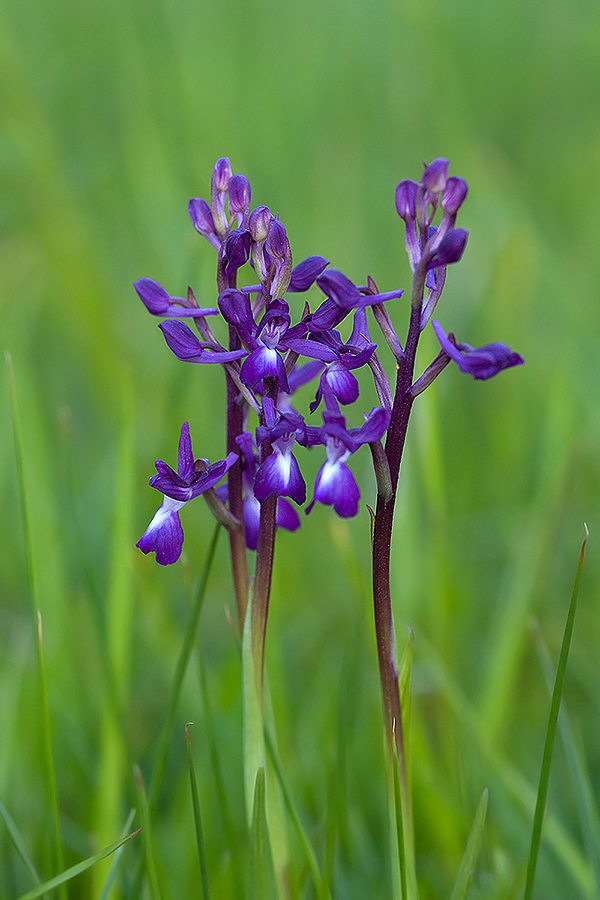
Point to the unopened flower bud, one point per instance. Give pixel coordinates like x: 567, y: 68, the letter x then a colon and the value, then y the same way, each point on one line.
x: 435, y: 176
x: 277, y: 243
x: 258, y: 223
x: 454, y: 194
x: 239, y: 197
x: 405, y: 199
x: 221, y: 174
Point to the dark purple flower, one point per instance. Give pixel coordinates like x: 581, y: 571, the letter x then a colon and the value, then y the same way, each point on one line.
x: 186, y: 346
x: 450, y: 249
x: 481, y: 362
x: 160, y: 303
x: 202, y: 220
x: 164, y: 534
x: 307, y: 272
x: 239, y: 199
x: 286, y: 515
x: 237, y: 250
x: 342, y: 297
x: 335, y: 485
x: 279, y: 474
x: 265, y: 361
x: 340, y: 358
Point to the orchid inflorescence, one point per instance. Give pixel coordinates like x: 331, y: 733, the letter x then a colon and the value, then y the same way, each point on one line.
x: 267, y: 356
x: 262, y: 359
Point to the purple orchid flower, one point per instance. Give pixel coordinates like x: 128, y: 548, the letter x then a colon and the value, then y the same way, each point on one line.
x: 286, y: 515
x: 160, y: 303
x: 186, y: 346
x: 481, y: 362
x: 339, y: 358
x: 335, y: 485
x: 342, y: 297
x: 265, y: 360
x: 164, y: 534
x: 280, y: 474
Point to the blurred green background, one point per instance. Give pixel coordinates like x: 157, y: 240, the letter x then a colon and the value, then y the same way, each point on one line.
x: 111, y: 115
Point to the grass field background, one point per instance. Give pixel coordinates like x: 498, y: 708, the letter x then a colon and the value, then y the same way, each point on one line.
x: 111, y: 116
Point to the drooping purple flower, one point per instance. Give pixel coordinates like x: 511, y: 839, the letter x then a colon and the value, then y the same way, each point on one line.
x: 307, y: 272
x: 186, y: 346
x: 286, y: 515
x: 335, y: 484
x: 203, y: 222
x: 340, y: 358
x: 160, y: 303
x: 164, y: 534
x: 481, y: 362
x: 280, y: 474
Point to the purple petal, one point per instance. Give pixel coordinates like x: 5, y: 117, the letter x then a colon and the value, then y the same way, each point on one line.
x: 287, y: 517
x: 280, y: 475
x: 342, y: 383
x: 335, y: 485
x: 164, y: 534
x: 482, y: 362
x: 405, y: 199
x: 435, y: 175
x: 185, y: 466
x: 251, y: 520
x: 450, y: 249
x: 158, y: 302
x: 339, y: 288
x: 186, y: 346
x: 307, y: 272
x: 264, y: 363
x: 374, y: 428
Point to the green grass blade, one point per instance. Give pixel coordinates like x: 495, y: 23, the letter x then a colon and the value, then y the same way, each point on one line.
x: 467, y: 867
x: 205, y: 892
x: 551, y: 731
x: 37, y: 623
x: 19, y: 843
x: 402, y: 799
x: 115, y: 864
x: 321, y: 887
x: 75, y: 870
x: 584, y: 794
x: 114, y: 764
x: 146, y: 834
x: 180, y: 671
x: 265, y: 884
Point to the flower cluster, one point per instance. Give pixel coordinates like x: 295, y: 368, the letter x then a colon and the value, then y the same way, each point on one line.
x: 271, y: 349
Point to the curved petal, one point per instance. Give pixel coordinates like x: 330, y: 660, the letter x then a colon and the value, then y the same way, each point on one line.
x: 335, y: 485
x: 164, y: 534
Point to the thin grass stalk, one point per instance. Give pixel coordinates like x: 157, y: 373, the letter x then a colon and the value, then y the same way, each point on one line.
x: 37, y: 626
x: 180, y: 671
x: 19, y: 844
x: 538, y: 817
x: 321, y: 887
x: 118, y: 854
x: 589, y: 817
x: 205, y: 888
x: 145, y: 817
x: 467, y: 867
x: 59, y: 881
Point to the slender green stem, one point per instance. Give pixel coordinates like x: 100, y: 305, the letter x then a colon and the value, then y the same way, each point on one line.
x: 542, y: 793
x: 180, y: 670
x: 37, y: 626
